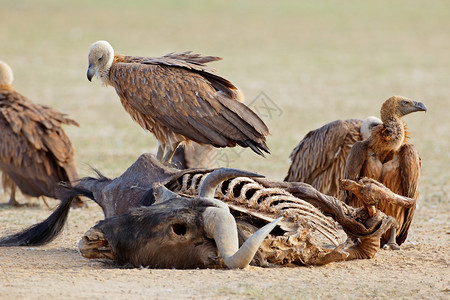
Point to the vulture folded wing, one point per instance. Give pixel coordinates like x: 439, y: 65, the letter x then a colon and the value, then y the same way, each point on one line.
x: 410, y: 173
x: 186, y: 103
x: 24, y: 164
x: 319, y: 159
x: 353, y: 168
x: 35, y: 152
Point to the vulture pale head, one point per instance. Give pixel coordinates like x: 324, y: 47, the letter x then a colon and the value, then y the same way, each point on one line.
x: 101, y: 56
x: 6, y: 74
x: 398, y: 106
x: 367, y: 125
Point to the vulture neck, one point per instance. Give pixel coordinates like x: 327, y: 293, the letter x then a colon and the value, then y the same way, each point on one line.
x: 5, y: 86
x: 103, y: 72
x: 388, y: 136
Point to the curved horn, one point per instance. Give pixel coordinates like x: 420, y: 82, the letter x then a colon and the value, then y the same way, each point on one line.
x: 208, y: 187
x: 221, y: 226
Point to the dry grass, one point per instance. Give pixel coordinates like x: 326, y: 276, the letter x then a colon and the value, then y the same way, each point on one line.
x: 316, y: 60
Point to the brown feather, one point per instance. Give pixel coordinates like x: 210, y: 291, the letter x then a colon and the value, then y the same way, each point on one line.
x: 177, y: 98
x: 319, y: 158
x: 388, y: 158
x: 35, y: 152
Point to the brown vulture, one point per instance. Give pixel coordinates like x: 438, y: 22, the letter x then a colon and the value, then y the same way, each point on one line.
x: 196, y: 156
x: 35, y: 152
x: 389, y: 158
x: 178, y: 99
x: 319, y: 158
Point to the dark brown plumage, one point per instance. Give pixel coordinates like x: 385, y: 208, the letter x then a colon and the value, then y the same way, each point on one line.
x: 319, y: 158
x: 389, y: 158
x: 178, y: 99
x: 35, y: 152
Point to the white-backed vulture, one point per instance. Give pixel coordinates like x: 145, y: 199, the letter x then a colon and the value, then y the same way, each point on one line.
x: 389, y: 158
x: 319, y: 158
x: 178, y: 99
x: 35, y: 152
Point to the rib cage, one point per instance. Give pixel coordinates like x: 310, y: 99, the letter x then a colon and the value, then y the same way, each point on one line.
x: 274, y: 202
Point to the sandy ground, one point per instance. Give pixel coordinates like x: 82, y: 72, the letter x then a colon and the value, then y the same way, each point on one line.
x: 317, y: 61
x: 419, y: 270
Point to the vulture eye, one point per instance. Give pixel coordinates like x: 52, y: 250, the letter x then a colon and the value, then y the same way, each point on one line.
x: 179, y: 229
x: 403, y: 102
x: 100, y: 59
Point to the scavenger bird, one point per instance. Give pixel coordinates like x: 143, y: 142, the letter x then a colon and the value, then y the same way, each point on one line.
x: 319, y: 158
x: 35, y: 152
x: 388, y: 157
x: 179, y: 99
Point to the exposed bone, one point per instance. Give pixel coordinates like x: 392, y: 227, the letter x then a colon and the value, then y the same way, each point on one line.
x: 264, y: 199
x: 93, y: 244
x: 221, y: 226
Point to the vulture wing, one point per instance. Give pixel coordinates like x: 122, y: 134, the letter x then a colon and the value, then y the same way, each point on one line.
x: 353, y: 169
x: 319, y: 159
x: 35, y: 152
x: 409, y: 173
x: 181, y: 96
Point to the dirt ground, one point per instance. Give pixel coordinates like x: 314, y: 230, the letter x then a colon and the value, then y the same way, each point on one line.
x: 420, y: 270
x: 300, y: 64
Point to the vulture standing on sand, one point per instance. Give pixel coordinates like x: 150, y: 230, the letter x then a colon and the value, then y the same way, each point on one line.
x: 319, y: 158
x: 389, y: 158
x: 35, y: 152
x: 178, y: 98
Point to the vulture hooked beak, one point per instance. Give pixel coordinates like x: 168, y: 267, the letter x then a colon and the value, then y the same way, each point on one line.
x: 419, y: 106
x: 90, y: 72
x: 407, y: 107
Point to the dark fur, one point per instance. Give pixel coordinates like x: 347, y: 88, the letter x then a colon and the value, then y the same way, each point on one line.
x: 46, y: 231
x: 165, y: 235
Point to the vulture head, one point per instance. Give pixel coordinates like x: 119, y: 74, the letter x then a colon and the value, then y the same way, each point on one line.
x: 101, y: 56
x: 398, y: 106
x: 6, y: 74
x: 367, y: 125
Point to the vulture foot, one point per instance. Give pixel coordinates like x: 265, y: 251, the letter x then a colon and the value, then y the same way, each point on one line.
x: 93, y: 244
x: 18, y: 205
x: 391, y: 246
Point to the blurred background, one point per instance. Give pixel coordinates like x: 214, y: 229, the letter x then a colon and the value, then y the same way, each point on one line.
x: 300, y: 64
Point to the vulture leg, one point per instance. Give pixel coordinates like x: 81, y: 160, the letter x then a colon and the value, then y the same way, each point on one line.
x: 392, y: 244
x: 12, y: 197
x: 45, y: 202
x: 160, y: 152
x: 169, y: 152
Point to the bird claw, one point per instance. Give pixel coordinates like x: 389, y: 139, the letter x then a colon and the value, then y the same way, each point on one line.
x: 391, y: 246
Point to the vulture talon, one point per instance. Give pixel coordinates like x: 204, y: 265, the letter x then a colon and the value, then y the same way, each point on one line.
x: 391, y: 246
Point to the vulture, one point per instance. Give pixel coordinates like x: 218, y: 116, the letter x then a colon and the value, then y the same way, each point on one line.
x: 388, y: 157
x: 35, y: 152
x: 179, y: 99
x: 319, y: 158
x: 196, y: 156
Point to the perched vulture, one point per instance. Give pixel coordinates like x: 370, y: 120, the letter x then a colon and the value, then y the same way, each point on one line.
x: 389, y: 158
x: 178, y: 99
x: 35, y: 152
x: 196, y: 156
x: 319, y: 158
